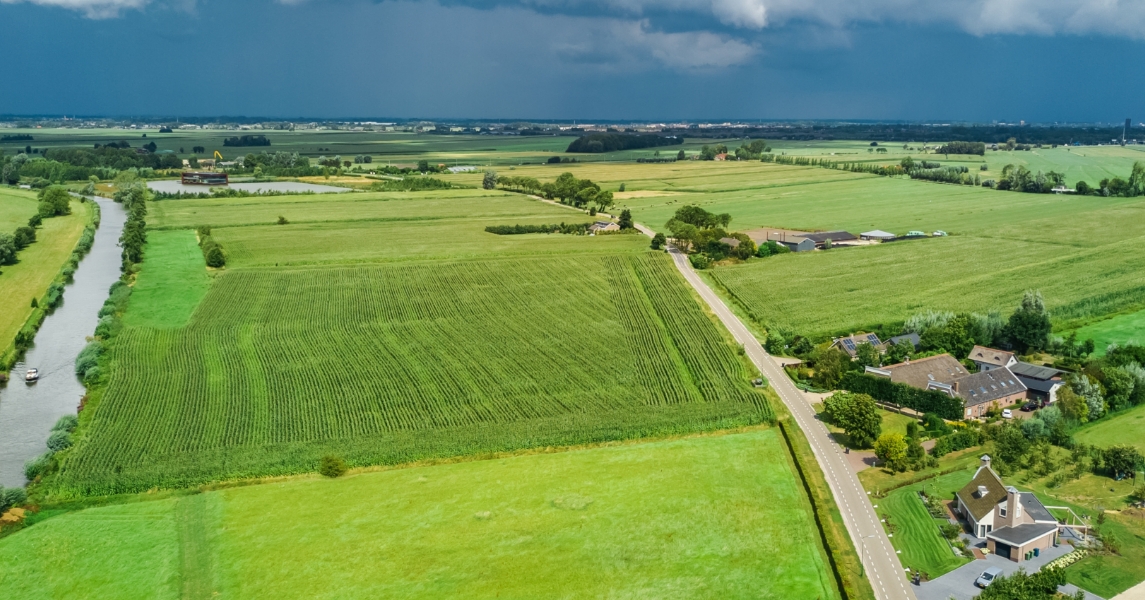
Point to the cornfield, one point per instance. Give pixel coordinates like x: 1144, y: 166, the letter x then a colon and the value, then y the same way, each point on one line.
x: 393, y: 363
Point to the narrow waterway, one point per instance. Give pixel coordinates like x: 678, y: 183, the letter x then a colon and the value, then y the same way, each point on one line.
x: 27, y: 412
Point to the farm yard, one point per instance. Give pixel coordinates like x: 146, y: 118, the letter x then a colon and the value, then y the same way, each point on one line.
x: 694, y: 517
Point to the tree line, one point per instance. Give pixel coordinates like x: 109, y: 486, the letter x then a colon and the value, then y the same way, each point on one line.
x: 247, y: 140
x: 596, y: 143
x: 567, y: 189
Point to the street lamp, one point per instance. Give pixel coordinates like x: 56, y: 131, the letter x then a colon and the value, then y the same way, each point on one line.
x: 863, y: 550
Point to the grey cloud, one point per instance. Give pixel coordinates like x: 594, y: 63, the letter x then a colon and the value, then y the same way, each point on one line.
x: 94, y: 9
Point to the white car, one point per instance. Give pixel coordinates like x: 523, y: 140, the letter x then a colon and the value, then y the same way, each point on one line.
x: 987, y: 577
x: 1007, y: 414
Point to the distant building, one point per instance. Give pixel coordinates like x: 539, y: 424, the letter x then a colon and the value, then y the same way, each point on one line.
x: 1015, y: 524
x: 989, y: 358
x: 851, y: 344
x: 465, y: 169
x: 834, y: 237
x: 877, y: 235
x: 603, y: 226
x: 797, y: 244
x: 734, y: 243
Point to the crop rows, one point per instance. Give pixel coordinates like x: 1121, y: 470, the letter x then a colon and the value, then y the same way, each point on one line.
x: 394, y: 363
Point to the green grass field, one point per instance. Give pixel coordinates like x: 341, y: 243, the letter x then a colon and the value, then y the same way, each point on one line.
x: 717, y: 516
x: 39, y: 263
x: 916, y: 533
x: 1120, y: 330
x: 398, y: 352
x: 1126, y: 427
x: 16, y: 207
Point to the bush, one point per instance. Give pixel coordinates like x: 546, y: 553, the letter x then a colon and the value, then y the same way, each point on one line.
x: 282, y: 220
x: 10, y: 497
x: 699, y: 261
x: 960, y: 440
x: 88, y: 357
x: 59, y: 440
x: 39, y: 466
x: 66, y: 423
x: 215, y: 257
x: 332, y: 466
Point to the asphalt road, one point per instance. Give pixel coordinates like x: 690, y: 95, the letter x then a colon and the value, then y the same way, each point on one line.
x: 882, y: 565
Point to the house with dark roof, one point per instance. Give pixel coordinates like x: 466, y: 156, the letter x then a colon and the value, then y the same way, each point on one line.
x: 906, y: 338
x: 989, y: 358
x: 1042, y: 383
x: 979, y: 392
x: 1015, y: 524
x: 851, y: 344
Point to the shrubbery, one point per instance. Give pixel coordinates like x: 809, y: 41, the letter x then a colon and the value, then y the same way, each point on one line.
x: 881, y: 388
x: 332, y: 466
x: 565, y: 228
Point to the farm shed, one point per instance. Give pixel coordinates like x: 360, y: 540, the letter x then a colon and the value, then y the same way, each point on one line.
x: 1042, y: 383
x: 797, y: 244
x: 878, y: 235
x: 834, y: 237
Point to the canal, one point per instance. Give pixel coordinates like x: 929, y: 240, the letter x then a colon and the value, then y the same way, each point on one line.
x: 27, y: 412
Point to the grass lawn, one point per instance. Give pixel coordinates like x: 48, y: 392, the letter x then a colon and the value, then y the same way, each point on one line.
x: 893, y: 422
x: 916, y: 533
x: 875, y: 479
x: 16, y: 207
x: 1120, y: 330
x: 38, y: 266
x: 717, y: 516
x: 172, y: 282
x: 1126, y: 427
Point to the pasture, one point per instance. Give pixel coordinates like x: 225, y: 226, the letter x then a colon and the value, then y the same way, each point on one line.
x: 1121, y: 329
x: 1125, y: 427
x: 681, y: 518
x: 384, y: 340
x: 39, y: 263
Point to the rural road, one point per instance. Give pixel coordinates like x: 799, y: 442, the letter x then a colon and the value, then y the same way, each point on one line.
x: 878, y: 555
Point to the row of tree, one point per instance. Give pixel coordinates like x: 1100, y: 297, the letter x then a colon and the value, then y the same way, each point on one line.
x: 611, y: 142
x: 567, y: 188
x: 133, y: 195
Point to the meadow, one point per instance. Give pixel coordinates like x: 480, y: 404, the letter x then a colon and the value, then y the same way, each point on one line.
x: 682, y: 518
x: 39, y: 264
x: 1121, y: 330
x: 1125, y: 427
x: 398, y: 354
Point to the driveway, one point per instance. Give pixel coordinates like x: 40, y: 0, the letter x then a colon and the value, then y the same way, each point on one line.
x: 959, y: 583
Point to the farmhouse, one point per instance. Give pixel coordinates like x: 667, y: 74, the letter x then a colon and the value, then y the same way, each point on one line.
x: 979, y: 392
x: 1042, y: 383
x: 1015, y: 524
x: 989, y: 358
x: 603, y: 226
x: 850, y: 345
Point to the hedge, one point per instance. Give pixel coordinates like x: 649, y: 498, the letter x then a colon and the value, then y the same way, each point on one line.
x: 885, y: 390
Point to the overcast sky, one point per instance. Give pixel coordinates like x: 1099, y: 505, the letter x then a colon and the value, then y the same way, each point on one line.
x: 978, y: 60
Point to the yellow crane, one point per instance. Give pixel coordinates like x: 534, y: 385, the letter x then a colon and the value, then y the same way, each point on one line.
x: 218, y: 156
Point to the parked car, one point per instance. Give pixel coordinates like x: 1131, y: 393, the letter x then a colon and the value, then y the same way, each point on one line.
x: 1030, y: 407
x: 1007, y: 413
x: 987, y: 577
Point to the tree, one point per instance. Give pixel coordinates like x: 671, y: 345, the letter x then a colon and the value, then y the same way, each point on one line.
x: 1042, y: 585
x: 868, y: 356
x: 215, y: 257
x: 891, y: 449
x: 1072, y: 406
x: 423, y: 166
x: 332, y: 466
x: 830, y: 367
x: 1119, y: 386
x: 489, y: 182
x: 625, y: 219
x: 858, y: 416
x: 898, y: 353
x: 54, y: 201
x: 1086, y: 389
x: 1009, y: 442
x: 24, y: 236
x: 658, y: 241
x: 7, y: 249
x: 1029, y: 326
x: 681, y: 156
x: 1122, y: 460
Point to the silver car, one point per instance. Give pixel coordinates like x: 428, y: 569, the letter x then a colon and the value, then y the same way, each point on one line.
x: 988, y: 576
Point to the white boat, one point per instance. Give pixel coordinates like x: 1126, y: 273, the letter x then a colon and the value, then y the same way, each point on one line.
x: 32, y: 375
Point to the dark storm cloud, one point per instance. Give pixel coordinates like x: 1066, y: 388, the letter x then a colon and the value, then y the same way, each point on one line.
x: 1011, y: 59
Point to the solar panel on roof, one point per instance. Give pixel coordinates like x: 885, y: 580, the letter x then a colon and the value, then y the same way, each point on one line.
x: 850, y: 345
x: 874, y: 340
